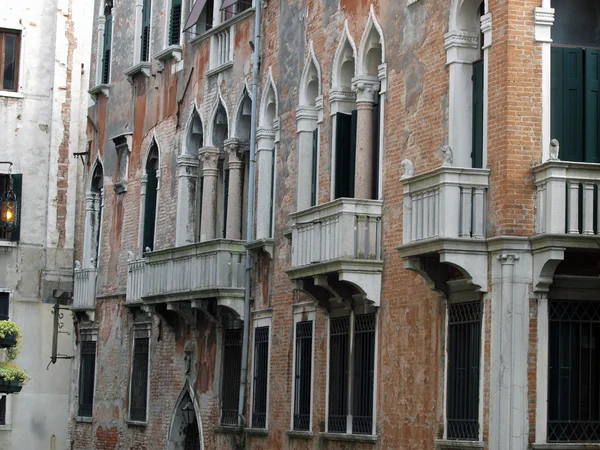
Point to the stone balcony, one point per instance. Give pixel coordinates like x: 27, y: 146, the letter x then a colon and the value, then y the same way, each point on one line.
x: 336, y: 250
x: 84, y: 290
x: 444, y: 221
x: 191, y: 273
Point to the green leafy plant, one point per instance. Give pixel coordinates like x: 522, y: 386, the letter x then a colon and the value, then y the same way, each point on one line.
x: 9, y: 328
x: 13, y: 352
x: 11, y: 372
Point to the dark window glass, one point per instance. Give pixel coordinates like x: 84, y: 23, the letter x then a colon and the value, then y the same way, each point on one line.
x: 574, y: 372
x: 261, y: 374
x: 364, y: 374
x: 151, y: 197
x: 303, y: 375
x: 3, y: 410
x: 314, y: 174
x: 87, y: 371
x: 464, y: 341
x: 345, y: 154
x: 338, y: 374
x: 10, y: 62
x: 4, y: 305
x: 139, y: 379
x: 192, y: 436
x: 232, y: 364
x: 576, y: 23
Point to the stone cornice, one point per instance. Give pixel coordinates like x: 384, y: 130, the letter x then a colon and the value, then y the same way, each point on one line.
x: 486, y: 29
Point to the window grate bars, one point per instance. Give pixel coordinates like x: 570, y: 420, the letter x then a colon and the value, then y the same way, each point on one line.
x: 86, y: 378
x: 232, y: 360
x: 364, y: 374
x: 261, y: 369
x: 338, y: 374
x: 139, y: 380
x: 302, y: 375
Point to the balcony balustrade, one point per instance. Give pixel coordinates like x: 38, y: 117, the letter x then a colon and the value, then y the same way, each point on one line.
x: 84, y: 289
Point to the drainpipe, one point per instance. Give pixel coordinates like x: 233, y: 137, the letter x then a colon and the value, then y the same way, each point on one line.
x: 250, y: 216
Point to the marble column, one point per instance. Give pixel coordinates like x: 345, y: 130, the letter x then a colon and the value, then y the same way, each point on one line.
x: 235, y: 190
x: 367, y: 90
x: 93, y: 202
x: 265, y: 144
x: 306, y: 122
x: 210, y: 160
x: 187, y: 174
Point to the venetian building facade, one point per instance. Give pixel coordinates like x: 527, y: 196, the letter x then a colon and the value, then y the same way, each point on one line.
x: 423, y: 265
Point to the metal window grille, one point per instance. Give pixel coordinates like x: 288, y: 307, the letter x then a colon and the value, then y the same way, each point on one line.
x: 3, y: 410
x: 139, y: 379
x: 302, y: 375
x: 364, y: 374
x: 574, y: 371
x: 261, y: 368
x: 338, y: 374
x: 87, y: 372
x: 464, y: 342
x: 232, y: 360
x: 4, y: 305
x: 192, y: 436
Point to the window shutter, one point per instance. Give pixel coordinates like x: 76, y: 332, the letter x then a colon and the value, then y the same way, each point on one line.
x: 477, y: 143
x: 150, y: 210
x: 314, y: 174
x: 146, y: 13
x: 572, y: 111
x: 225, y: 201
x: 175, y: 23
x: 107, y: 49
x: 376, y: 126
x: 272, y: 194
x: 345, y: 154
x: 592, y: 105
x: 15, y: 235
x: 557, y: 96
x: 352, y: 154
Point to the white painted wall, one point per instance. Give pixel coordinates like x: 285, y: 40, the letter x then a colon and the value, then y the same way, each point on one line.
x: 32, y: 129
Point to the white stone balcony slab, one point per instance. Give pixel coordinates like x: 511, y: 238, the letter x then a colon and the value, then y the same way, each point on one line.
x: 84, y: 289
x: 211, y: 269
x: 338, y: 242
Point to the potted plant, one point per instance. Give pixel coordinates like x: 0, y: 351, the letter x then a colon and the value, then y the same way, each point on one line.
x: 9, y: 333
x: 12, y: 378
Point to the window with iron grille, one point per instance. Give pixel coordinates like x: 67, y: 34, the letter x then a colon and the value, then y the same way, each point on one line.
x: 574, y: 372
x: 139, y: 374
x: 10, y: 49
x: 175, y: 22
x: 355, y: 398
x: 261, y: 375
x: 145, y: 44
x: 87, y: 372
x: 4, y: 305
x: 3, y: 410
x: 464, y: 342
x: 232, y: 364
x: 303, y: 375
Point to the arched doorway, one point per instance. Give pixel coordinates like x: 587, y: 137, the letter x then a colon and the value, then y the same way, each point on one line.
x: 185, y: 432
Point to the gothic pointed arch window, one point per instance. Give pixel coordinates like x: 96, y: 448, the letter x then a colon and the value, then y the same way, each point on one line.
x: 150, y: 200
x: 94, y: 205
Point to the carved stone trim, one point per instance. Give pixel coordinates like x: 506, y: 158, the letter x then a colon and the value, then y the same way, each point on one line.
x: 544, y: 19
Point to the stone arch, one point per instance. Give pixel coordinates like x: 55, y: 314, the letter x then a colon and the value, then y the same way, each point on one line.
x: 371, y: 53
x: 242, y: 118
x: 310, y: 84
x: 194, y: 135
x: 269, y: 102
x: 96, y: 181
x: 344, y: 62
x: 464, y: 15
x: 179, y: 429
x: 153, y: 153
x: 219, y: 122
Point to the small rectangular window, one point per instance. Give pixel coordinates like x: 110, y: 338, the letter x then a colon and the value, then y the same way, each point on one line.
x: 4, y: 305
x: 87, y: 373
x: 107, y: 48
x: 139, y: 374
x: 339, y: 350
x: 364, y: 374
x: 261, y: 375
x: 146, y: 17
x: 175, y: 22
x: 314, y: 175
x: 232, y: 364
x: 303, y: 375
x: 10, y: 42
x: 3, y: 410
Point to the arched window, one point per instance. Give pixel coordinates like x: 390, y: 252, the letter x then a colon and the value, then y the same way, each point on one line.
x: 94, y: 204
x: 185, y: 431
x: 150, y: 202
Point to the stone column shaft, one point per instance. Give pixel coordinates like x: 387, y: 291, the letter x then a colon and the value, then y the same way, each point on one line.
x: 235, y: 190
x: 265, y: 143
x: 210, y: 158
x: 187, y: 173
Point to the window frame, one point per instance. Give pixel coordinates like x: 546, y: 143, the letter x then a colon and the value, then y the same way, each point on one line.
x: 261, y: 318
x: 303, y: 312
x: 18, y: 59
x: 87, y: 335
x: 169, y: 20
x: 143, y: 331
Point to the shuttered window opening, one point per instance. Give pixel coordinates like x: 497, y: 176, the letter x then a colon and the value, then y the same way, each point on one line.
x: 574, y: 372
x: 4, y: 305
x: 145, y: 44
x: 364, y: 374
x: 314, y: 174
x: 272, y: 194
x: 303, y: 375
x: 175, y: 22
x: 3, y: 410
x: 87, y: 371
x: 232, y: 360
x: 261, y: 374
x: 139, y: 375
x: 477, y: 140
x: 10, y: 43
x: 106, y: 54
x: 345, y: 154
x: 462, y: 397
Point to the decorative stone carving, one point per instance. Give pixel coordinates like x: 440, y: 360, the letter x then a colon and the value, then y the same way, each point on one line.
x: 130, y: 255
x: 554, y: 149
x: 409, y: 169
x: 77, y: 265
x: 447, y: 156
x: 366, y: 88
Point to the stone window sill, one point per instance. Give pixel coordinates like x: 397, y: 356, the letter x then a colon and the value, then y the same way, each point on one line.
x: 258, y: 431
x: 120, y: 187
x: 103, y: 89
x: 6, y: 427
x: 225, y: 429
x: 261, y: 244
x: 368, y: 438
x: 140, y: 68
x: 219, y: 69
x: 218, y: 28
x: 82, y: 419
x: 294, y: 434
x: 567, y: 446
x: 8, y: 244
x: 136, y: 423
x: 11, y: 94
x: 171, y: 52
x: 443, y: 444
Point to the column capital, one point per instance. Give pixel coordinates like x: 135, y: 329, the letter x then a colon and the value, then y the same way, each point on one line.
x: 506, y: 258
x: 366, y: 88
x: 209, y: 157
x: 306, y: 118
x: 185, y: 160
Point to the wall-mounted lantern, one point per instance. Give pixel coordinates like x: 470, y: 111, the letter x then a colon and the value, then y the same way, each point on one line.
x: 9, y: 205
x: 188, y: 413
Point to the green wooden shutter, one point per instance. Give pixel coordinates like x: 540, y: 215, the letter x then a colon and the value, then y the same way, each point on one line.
x: 557, y: 84
x: 477, y: 142
x: 314, y: 174
x: 107, y: 49
x: 571, y: 145
x: 343, y: 144
x: 272, y: 194
x: 146, y: 14
x: 150, y: 209
x: 15, y: 235
x: 175, y: 22
x: 592, y: 105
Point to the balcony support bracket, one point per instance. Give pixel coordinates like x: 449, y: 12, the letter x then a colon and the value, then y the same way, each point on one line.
x: 200, y: 305
x: 184, y: 311
x: 472, y: 265
x: 545, y: 262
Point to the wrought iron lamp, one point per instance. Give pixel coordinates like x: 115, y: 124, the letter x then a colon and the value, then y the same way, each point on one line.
x: 188, y: 412
x: 9, y: 206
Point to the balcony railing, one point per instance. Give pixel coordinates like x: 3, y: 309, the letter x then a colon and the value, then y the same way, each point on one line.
x: 346, y: 228
x: 445, y: 203
x: 202, y: 270
x: 567, y: 198
x: 84, y: 288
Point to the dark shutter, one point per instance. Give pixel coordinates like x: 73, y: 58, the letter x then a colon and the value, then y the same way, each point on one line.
x: 139, y: 379
x: 87, y: 372
x: 338, y: 374
x: 302, y: 375
x: 557, y: 84
x: 225, y: 201
x: 364, y: 374
x: 4, y: 305
x: 345, y: 154
x: 232, y: 364
x: 314, y: 174
x: 150, y: 210
x: 462, y: 397
x: 146, y: 15
x: 261, y: 374
x: 376, y: 125
x: 272, y: 194
x: 210, y: 10
x: 3, y: 410
x: 175, y: 23
x: 477, y: 143
x: 107, y: 49
x: 17, y: 180
x: 592, y: 105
